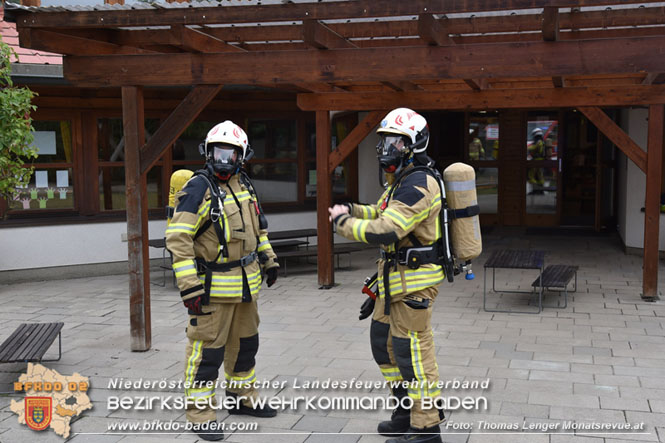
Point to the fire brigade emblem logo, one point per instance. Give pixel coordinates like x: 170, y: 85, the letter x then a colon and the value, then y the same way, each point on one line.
x: 236, y: 132
x: 38, y: 412
x: 399, y: 120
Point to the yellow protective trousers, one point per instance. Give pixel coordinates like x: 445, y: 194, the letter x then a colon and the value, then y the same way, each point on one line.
x: 225, y: 333
x: 403, y: 347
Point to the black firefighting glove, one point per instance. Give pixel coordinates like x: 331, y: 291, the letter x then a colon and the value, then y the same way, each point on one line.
x: 194, y: 305
x: 271, y: 273
x: 367, y: 308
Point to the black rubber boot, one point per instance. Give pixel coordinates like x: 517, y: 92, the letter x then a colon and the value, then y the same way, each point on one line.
x: 265, y: 411
x: 413, y: 435
x: 399, y: 423
x: 209, y: 431
x: 400, y: 418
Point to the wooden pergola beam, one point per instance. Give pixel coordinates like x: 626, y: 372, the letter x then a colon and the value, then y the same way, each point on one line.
x: 281, y: 12
x: 62, y: 43
x: 487, y: 99
x: 194, y: 40
x: 325, y: 263
x: 654, y: 176
x: 319, y: 87
x: 432, y: 31
x: 317, y: 35
x: 529, y: 59
x: 137, y: 220
x: 176, y: 123
x: 401, y: 86
x: 550, y: 27
x: 476, y: 84
x: 616, y: 135
x: 654, y: 78
x: 648, y: 16
x: 350, y: 142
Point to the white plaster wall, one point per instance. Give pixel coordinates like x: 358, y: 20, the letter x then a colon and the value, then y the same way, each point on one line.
x: 62, y: 245
x: 632, y: 185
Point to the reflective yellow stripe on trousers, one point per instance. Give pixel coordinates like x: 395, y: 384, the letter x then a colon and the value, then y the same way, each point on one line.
x: 421, y: 387
x: 391, y: 374
x: 190, y: 374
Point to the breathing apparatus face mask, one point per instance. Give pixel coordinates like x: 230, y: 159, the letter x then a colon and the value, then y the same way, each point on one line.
x: 225, y: 160
x: 391, y: 152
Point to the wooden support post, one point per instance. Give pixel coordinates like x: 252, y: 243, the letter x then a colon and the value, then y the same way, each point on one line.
x: 652, y: 202
x: 325, y: 259
x: 137, y: 219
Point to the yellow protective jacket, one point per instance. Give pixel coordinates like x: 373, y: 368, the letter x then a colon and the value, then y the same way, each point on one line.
x: 240, y: 224
x: 413, y: 208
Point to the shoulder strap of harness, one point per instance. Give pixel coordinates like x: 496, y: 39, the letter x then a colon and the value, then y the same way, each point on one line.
x: 245, y: 180
x: 216, y: 211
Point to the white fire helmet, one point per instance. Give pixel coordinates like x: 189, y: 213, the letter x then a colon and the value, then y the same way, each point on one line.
x: 228, y: 133
x: 409, y: 123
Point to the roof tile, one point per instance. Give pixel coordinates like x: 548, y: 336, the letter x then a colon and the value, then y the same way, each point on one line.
x: 10, y: 36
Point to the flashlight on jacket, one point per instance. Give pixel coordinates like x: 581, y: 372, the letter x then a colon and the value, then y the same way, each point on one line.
x: 369, y: 286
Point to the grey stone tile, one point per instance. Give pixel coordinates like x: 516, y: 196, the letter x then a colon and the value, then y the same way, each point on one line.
x: 320, y: 424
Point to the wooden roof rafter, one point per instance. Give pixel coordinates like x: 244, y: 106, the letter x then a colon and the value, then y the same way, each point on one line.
x: 315, y: 36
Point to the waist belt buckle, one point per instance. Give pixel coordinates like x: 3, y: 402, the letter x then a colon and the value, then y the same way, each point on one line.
x: 248, y: 259
x: 402, y: 256
x: 411, y: 258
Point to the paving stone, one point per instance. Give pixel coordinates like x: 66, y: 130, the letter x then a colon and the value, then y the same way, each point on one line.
x: 599, y: 359
x: 320, y: 424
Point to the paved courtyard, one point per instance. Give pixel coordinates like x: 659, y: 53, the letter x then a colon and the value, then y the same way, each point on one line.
x: 600, y: 360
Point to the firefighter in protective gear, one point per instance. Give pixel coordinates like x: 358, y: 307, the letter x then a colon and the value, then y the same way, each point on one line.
x: 401, y: 333
x: 220, y: 256
x: 476, y: 150
x: 536, y: 151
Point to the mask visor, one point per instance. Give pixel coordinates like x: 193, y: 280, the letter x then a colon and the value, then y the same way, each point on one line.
x: 224, y: 155
x: 390, y: 145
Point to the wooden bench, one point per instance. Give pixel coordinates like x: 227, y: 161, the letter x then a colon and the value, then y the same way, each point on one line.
x: 30, y: 341
x: 282, y: 245
x: 312, y: 251
x: 557, y: 277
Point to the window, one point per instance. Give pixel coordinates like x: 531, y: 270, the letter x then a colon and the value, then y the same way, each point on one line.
x: 89, y: 151
x: 483, y: 141
x: 541, y: 154
x: 185, y: 151
x: 51, y: 185
x: 274, y: 168
x: 344, y: 176
x: 482, y: 152
x: 111, y: 156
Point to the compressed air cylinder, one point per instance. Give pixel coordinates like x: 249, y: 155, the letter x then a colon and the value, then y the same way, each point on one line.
x: 178, y: 180
x: 460, y: 184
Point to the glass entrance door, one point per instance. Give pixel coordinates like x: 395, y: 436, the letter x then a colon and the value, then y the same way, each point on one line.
x: 542, y: 170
